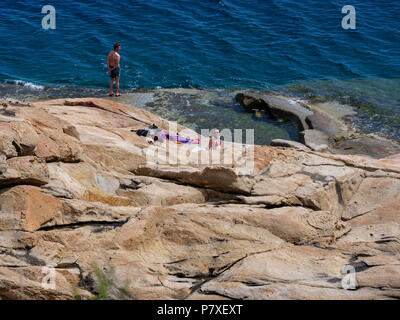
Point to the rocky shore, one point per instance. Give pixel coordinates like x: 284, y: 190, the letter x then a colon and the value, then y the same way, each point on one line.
x: 82, y: 196
x: 322, y: 126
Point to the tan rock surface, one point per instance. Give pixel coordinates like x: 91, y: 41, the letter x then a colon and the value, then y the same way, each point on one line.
x: 80, y: 190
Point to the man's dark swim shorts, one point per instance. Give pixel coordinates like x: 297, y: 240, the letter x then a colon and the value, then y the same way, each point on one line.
x: 115, y: 73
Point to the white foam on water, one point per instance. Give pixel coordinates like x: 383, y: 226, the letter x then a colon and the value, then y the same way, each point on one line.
x: 31, y: 85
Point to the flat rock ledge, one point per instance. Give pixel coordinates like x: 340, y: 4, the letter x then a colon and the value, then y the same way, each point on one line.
x: 79, y: 193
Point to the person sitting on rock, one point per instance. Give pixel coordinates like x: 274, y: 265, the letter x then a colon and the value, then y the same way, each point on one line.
x: 215, y: 140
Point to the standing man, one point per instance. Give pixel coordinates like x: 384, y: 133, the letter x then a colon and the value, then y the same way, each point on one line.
x: 114, y: 69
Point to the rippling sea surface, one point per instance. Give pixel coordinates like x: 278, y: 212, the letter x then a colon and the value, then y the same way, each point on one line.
x: 291, y: 47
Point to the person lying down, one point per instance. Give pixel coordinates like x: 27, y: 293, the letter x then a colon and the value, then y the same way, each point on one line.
x: 155, y: 134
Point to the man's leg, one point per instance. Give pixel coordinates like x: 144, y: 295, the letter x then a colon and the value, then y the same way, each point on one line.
x: 117, y: 85
x: 111, y: 86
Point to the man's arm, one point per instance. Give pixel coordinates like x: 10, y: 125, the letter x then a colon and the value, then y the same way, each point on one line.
x: 108, y: 64
x: 111, y: 61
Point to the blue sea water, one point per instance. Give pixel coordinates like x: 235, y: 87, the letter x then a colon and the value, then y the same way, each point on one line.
x: 259, y: 44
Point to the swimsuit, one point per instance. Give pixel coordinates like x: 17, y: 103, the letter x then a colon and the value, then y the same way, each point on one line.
x: 178, y: 139
x: 216, y: 142
x: 115, y: 73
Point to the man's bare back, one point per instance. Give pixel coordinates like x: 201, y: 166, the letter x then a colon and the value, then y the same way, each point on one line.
x: 113, y: 59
